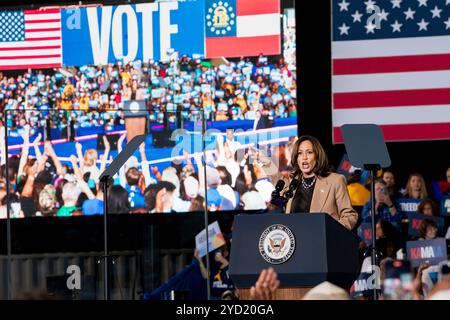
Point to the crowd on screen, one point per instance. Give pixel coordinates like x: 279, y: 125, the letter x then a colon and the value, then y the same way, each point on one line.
x: 95, y: 95
x: 42, y: 185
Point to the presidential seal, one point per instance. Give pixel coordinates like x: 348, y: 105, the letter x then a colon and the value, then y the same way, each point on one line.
x: 134, y: 107
x: 277, y: 244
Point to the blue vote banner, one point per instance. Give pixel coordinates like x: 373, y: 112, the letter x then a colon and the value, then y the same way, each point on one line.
x: 415, y: 220
x: 445, y: 206
x: 429, y: 251
x: 144, y: 31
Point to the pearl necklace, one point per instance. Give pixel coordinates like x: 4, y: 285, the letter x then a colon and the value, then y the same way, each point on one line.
x: 305, y: 185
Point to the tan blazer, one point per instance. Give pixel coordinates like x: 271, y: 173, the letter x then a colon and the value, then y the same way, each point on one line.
x: 330, y: 196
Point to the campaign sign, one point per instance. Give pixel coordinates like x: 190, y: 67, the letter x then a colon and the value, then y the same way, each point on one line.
x: 415, y: 220
x: 407, y: 205
x: 216, y: 239
x: 445, y: 206
x: 365, y: 232
x: 364, y: 285
x: 429, y: 251
x: 143, y: 31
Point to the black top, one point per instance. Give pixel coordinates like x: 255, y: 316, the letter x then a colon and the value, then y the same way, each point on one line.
x: 303, y: 197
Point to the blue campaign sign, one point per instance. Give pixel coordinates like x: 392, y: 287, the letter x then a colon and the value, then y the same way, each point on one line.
x: 415, y: 220
x: 429, y: 251
x: 363, y: 286
x: 445, y: 206
x: 144, y: 31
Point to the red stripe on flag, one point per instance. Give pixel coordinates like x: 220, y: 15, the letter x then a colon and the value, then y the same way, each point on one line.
x: 43, y: 30
x: 31, y: 66
x: 31, y: 57
x: 41, y: 11
x: 40, y: 39
x: 43, y: 21
x: 405, y: 132
x: 252, y: 7
x: 391, y: 64
x: 247, y: 46
x: 31, y: 48
x: 395, y: 98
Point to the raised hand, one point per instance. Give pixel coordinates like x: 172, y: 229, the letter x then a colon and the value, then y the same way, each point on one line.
x: 73, y: 160
x: 106, y: 143
x: 26, y: 133
x: 78, y: 147
x: 48, y: 148
x: 142, y: 147
x: 266, y: 285
x: 121, y: 140
x: 37, y: 140
x: 219, y: 138
x: 41, y: 163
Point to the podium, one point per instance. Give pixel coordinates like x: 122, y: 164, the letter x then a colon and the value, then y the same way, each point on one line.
x: 135, y: 114
x: 304, y: 250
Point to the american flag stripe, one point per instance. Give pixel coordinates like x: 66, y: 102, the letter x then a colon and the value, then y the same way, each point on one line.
x: 42, y: 34
x: 42, y: 21
x: 31, y: 44
x: 42, y: 28
x: 391, y: 64
x: 390, y: 47
x: 391, y: 81
x: 25, y: 63
x: 28, y: 48
x: 42, y: 47
x: 396, y: 98
x: 43, y: 25
x: 37, y: 65
x: 420, y: 131
x: 29, y: 53
x: 34, y: 55
x: 388, y: 115
x: 398, y: 80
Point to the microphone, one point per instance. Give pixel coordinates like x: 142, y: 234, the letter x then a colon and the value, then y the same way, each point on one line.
x: 292, y: 187
x: 276, y: 199
x: 278, y: 187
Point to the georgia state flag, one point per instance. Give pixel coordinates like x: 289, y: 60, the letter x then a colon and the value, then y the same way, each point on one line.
x: 242, y: 28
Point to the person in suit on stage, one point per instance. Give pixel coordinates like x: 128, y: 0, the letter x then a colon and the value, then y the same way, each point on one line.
x: 318, y: 189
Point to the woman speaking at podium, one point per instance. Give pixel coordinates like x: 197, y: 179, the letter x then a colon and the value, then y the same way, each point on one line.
x: 314, y: 188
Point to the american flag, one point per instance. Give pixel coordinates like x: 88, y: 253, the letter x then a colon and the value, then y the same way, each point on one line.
x: 391, y: 67
x: 30, y: 39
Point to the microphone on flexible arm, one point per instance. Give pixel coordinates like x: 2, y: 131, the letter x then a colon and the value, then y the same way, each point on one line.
x: 292, y: 187
x: 277, y: 199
